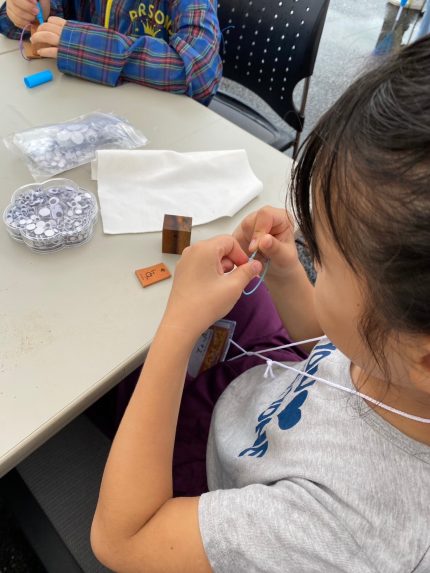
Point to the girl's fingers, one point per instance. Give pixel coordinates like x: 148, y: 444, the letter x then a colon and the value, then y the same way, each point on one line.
x: 227, y: 265
x: 22, y: 7
x: 48, y: 52
x: 243, y: 274
x: 49, y: 33
x: 220, y: 254
x: 271, y: 221
x: 46, y: 37
x: 50, y: 27
x: 236, y: 254
x: 56, y: 21
x: 227, y: 247
x: 19, y: 18
x: 21, y: 12
x: 202, y: 289
x: 271, y: 247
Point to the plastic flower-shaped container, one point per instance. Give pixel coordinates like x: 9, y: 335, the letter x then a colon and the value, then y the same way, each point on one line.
x: 51, y: 215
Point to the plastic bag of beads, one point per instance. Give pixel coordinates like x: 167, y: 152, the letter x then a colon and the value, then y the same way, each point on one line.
x: 52, y: 149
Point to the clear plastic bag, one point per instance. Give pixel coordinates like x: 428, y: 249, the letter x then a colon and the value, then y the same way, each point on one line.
x: 52, y: 149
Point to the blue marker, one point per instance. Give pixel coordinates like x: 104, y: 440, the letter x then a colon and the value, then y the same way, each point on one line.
x: 40, y: 14
x: 38, y: 79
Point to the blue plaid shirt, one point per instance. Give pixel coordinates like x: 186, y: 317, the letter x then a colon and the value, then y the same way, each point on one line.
x: 172, y: 45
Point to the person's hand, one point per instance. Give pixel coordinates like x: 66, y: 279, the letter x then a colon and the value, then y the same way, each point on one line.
x: 24, y: 12
x: 49, y: 33
x: 271, y: 231
x: 209, y: 279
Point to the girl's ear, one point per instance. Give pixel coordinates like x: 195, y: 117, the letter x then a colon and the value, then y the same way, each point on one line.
x: 420, y: 374
x: 426, y: 362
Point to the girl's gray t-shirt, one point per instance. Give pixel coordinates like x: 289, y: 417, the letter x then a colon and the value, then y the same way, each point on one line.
x: 306, y: 478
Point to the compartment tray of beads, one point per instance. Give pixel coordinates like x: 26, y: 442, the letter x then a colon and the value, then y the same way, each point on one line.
x: 51, y: 215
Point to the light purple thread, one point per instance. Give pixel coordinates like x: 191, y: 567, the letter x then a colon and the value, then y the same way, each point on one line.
x: 21, y: 42
x: 263, y: 274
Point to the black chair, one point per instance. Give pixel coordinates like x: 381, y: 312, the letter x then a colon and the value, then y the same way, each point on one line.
x: 268, y: 47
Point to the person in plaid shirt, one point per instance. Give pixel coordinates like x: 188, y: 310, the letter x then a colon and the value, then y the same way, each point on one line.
x: 171, y: 45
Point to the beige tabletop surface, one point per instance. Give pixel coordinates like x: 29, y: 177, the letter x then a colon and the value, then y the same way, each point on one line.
x: 74, y: 322
x: 7, y: 45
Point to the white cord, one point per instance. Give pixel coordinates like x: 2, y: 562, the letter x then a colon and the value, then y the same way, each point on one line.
x: 291, y: 344
x: 269, y: 371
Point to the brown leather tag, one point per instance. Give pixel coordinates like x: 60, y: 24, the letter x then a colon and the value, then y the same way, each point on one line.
x: 153, y: 274
x: 30, y: 49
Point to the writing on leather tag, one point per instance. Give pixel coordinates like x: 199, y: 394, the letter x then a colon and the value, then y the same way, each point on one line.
x: 153, y: 274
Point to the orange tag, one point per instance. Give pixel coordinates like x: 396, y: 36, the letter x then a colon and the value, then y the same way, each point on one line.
x: 153, y: 274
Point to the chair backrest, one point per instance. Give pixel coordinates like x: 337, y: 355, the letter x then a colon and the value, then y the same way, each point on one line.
x: 269, y: 46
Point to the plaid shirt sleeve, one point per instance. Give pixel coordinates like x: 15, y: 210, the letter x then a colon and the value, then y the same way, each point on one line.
x: 188, y: 63
x: 6, y: 26
x: 8, y: 29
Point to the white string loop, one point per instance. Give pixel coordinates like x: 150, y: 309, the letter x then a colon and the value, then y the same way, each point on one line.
x: 290, y: 345
x: 269, y: 371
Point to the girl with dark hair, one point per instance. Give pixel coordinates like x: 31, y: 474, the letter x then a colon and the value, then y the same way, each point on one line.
x: 318, y: 464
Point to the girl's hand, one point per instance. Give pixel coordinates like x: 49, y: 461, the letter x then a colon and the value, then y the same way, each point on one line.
x: 24, y: 12
x: 207, y: 284
x: 49, y: 33
x: 21, y: 12
x: 271, y: 231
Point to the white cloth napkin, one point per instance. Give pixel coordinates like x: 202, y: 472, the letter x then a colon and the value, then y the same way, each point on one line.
x: 137, y: 188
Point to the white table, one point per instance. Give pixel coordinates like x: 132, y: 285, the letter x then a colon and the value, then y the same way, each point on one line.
x: 7, y: 45
x: 75, y: 322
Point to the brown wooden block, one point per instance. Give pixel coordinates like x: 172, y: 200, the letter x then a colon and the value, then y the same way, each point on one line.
x: 176, y: 233
x: 153, y: 274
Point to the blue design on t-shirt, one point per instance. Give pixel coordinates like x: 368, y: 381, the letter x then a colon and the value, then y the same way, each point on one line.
x: 292, y: 413
x: 290, y: 416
